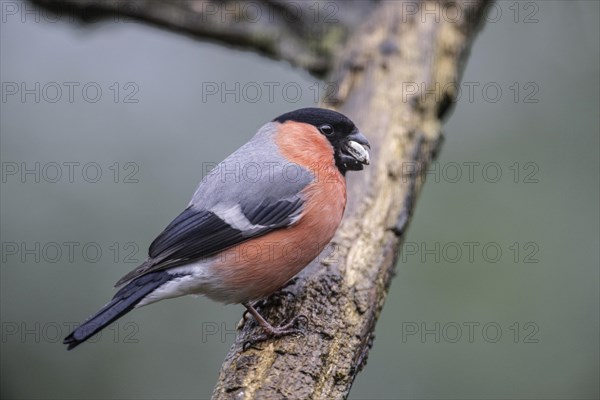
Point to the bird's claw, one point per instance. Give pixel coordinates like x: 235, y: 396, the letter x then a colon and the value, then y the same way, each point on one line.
x: 272, y: 332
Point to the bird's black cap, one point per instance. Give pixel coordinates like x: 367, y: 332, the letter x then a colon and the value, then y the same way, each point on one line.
x: 318, y: 117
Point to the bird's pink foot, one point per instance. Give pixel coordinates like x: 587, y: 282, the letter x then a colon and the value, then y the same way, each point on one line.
x: 270, y: 331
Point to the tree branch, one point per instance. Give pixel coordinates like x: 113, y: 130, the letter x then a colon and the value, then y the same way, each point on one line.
x: 343, y: 291
x: 305, y: 33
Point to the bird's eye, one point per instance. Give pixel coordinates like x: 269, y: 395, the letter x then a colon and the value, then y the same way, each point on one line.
x: 326, y: 130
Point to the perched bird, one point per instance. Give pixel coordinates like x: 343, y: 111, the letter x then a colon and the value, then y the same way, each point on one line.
x: 256, y: 220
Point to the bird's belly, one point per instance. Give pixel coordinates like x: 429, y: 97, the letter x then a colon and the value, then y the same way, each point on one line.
x: 257, y: 268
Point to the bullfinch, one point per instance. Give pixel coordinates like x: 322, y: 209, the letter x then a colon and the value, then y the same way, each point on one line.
x: 256, y: 220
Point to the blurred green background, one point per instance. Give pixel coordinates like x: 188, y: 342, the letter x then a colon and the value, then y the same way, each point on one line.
x: 522, y: 323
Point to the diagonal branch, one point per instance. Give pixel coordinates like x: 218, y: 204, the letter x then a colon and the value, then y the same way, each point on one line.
x: 342, y: 293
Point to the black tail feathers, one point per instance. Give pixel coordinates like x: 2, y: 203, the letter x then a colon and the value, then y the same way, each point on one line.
x: 123, y: 302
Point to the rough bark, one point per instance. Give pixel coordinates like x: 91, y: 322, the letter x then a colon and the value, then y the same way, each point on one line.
x: 343, y: 291
x: 396, y: 78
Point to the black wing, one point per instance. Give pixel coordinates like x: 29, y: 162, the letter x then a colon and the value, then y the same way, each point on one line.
x: 197, y: 234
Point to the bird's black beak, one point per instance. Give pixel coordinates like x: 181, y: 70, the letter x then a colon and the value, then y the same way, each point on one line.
x: 354, y: 153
